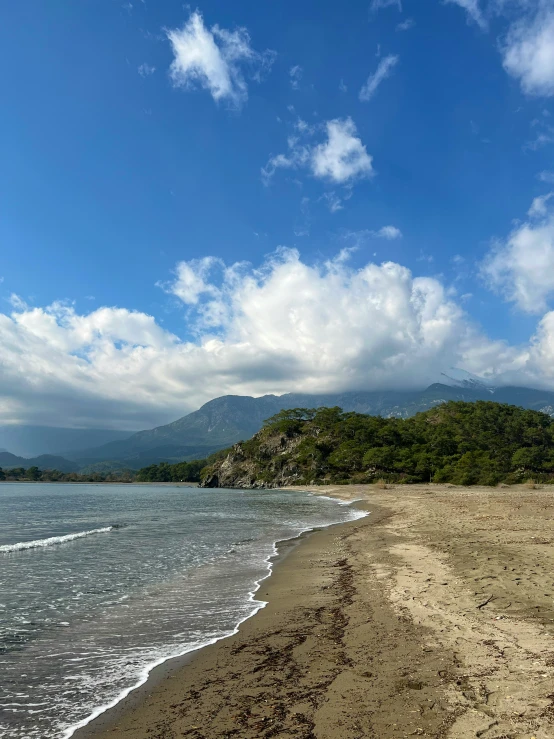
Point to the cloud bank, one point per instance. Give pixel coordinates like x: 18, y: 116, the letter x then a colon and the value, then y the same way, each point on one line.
x: 283, y: 326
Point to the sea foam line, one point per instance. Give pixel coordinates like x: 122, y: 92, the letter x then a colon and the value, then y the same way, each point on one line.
x: 5, y: 548
x: 257, y: 605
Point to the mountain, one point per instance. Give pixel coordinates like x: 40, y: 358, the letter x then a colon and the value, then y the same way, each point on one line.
x: 217, y: 424
x: 224, y: 421
x: 29, y: 441
x: 460, y: 378
x: 43, y: 462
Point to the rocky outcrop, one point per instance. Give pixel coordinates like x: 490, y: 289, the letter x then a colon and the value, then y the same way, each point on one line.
x: 263, y: 462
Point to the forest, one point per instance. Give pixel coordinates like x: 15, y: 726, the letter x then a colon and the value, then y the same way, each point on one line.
x: 456, y: 442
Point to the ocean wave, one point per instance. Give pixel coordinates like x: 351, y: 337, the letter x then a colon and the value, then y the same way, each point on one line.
x: 6, y: 548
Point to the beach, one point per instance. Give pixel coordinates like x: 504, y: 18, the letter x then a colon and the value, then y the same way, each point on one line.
x: 433, y: 616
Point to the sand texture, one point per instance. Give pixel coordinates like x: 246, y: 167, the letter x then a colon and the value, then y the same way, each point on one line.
x: 433, y: 616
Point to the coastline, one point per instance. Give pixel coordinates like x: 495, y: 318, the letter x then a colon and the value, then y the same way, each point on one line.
x: 157, y: 672
x: 378, y: 627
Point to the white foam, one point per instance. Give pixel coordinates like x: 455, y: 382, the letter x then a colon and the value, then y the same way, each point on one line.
x: 340, y: 501
x: 20, y: 546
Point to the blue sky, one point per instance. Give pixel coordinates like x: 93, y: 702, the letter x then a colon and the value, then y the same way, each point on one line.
x: 147, y: 147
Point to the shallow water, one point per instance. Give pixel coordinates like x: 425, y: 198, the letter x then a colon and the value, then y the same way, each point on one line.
x: 98, y: 583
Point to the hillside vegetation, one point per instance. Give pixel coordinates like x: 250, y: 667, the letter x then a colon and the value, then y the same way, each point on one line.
x: 457, y: 442
x: 224, y: 421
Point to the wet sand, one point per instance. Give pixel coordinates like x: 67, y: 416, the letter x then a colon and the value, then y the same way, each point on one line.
x: 433, y: 616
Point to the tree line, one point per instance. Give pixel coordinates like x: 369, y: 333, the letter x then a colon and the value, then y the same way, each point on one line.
x: 163, y: 472
x: 34, y: 474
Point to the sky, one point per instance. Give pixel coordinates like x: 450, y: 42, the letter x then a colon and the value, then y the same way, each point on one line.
x: 262, y: 197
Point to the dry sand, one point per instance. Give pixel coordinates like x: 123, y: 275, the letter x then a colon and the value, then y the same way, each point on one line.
x: 433, y: 616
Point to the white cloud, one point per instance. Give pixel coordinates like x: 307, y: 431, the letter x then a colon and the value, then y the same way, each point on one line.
x: 406, y: 25
x: 473, y: 10
x: 389, y: 232
x: 145, y: 70
x: 528, y: 51
x: 384, y: 70
x: 342, y: 157
x: 17, y: 302
x: 377, y: 5
x: 190, y: 283
x: 298, y: 156
x: 542, y: 139
x: 295, y: 74
x: 270, y: 329
x: 522, y: 267
x: 342, y: 86
x: 334, y: 201
x: 539, y: 205
x: 215, y: 59
x: 546, y: 176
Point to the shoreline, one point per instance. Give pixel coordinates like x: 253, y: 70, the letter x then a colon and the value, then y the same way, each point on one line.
x: 433, y: 616
x: 154, y: 674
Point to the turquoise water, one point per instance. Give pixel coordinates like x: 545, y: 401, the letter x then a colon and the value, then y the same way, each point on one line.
x: 99, y: 583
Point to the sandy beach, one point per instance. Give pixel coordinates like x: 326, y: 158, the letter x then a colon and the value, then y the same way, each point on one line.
x: 433, y: 616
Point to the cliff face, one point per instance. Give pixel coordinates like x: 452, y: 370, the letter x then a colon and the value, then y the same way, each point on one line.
x: 263, y: 462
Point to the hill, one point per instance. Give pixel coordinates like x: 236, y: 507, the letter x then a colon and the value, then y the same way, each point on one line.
x: 458, y: 442
x: 231, y: 418
x: 43, y: 462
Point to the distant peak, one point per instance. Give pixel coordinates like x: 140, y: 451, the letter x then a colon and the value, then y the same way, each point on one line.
x: 461, y: 378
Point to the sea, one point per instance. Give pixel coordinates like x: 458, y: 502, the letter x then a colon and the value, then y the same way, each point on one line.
x: 99, y: 584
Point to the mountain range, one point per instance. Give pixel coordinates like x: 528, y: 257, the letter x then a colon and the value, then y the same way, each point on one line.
x: 26, y: 440
x: 43, y: 462
x: 224, y: 421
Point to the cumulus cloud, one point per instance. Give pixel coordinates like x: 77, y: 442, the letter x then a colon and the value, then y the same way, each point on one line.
x: 384, y: 70
x: 283, y: 326
x: 216, y: 59
x: 340, y: 158
x: 473, y: 10
x: 528, y: 51
x: 522, y: 267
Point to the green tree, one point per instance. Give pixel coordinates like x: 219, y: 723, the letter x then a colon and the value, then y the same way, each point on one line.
x: 33, y: 473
